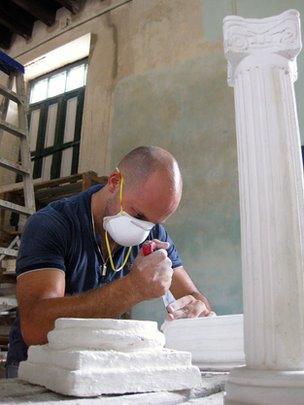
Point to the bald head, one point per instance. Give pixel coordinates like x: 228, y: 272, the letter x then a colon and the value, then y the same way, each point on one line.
x: 152, y: 185
x: 141, y: 163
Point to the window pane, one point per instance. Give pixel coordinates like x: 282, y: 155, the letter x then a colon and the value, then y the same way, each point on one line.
x: 85, y: 74
x: 66, y: 162
x: 46, y: 167
x: 39, y: 91
x: 70, y: 120
x: 50, y: 125
x: 76, y: 78
x: 57, y: 84
x: 35, y: 115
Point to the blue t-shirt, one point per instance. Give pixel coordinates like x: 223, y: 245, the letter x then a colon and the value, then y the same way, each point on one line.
x: 61, y: 236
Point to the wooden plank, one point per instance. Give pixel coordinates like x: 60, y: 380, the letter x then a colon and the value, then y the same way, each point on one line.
x: 8, y: 252
x: 10, y: 94
x: 14, y: 243
x: 6, y: 320
x: 55, y: 193
x: 15, y: 19
x: 38, y: 184
x: 71, y: 5
x: 15, y: 207
x: 13, y: 232
x: 28, y: 188
x: 5, y: 101
x: 5, y: 37
x: 12, y: 129
x: 60, y: 181
x: 4, y: 340
x: 8, y: 301
x: 38, y: 9
x: 45, y: 196
x: 8, y: 188
x: 9, y: 278
x: 15, y: 167
x: 86, y: 181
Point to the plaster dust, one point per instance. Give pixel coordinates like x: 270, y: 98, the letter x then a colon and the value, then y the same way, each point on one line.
x: 91, y: 357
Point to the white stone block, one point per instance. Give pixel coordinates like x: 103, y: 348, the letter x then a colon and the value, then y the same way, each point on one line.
x: 93, y: 359
x: 127, y: 357
x: 83, y: 383
x: 105, y: 339
x: 216, y: 343
x: 107, y: 324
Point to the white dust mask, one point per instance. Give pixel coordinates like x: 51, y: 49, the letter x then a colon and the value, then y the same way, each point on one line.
x: 127, y: 230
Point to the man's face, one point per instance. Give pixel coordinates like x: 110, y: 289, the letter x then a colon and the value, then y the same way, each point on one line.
x: 153, y: 201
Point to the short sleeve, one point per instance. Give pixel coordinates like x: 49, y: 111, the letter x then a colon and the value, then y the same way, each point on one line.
x: 43, y: 243
x: 159, y: 232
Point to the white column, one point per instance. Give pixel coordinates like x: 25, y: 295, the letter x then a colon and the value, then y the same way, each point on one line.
x: 261, y: 56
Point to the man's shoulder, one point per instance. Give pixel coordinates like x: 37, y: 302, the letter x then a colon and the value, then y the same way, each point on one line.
x: 58, y: 213
x: 63, y: 214
x: 46, y: 219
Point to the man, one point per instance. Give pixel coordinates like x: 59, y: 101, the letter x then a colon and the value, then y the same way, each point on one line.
x: 82, y: 257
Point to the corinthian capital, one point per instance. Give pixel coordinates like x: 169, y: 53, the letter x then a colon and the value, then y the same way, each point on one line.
x: 279, y: 35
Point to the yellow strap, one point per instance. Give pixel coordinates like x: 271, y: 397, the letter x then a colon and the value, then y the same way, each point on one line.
x: 107, y: 239
x: 120, y: 192
x: 120, y: 188
x: 110, y: 255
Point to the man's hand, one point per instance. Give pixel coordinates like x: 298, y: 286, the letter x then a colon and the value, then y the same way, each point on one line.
x: 152, y: 274
x: 187, y: 307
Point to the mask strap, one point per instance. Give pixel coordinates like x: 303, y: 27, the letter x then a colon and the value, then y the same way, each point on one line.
x: 106, y: 235
x: 122, y: 180
x: 110, y: 255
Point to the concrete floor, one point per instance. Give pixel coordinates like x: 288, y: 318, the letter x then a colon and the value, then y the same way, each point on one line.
x: 15, y: 391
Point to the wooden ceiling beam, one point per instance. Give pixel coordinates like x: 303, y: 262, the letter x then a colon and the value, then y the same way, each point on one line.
x: 38, y: 10
x: 12, y: 18
x: 5, y: 37
x: 72, y: 5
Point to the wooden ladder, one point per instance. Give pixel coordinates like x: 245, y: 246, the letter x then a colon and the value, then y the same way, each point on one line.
x: 15, y: 72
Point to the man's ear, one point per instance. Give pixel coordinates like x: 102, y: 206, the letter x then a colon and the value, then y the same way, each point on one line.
x: 114, y: 181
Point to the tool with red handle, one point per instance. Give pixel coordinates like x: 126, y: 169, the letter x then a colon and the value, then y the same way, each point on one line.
x: 148, y: 248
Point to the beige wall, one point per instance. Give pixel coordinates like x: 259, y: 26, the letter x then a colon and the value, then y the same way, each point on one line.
x: 138, y: 36
x: 155, y: 78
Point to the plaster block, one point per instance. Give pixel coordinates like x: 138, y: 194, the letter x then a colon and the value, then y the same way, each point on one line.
x: 93, y: 359
x: 216, y: 343
x: 127, y: 357
x: 83, y: 383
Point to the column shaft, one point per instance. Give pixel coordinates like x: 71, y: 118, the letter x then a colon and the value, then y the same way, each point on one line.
x: 272, y: 213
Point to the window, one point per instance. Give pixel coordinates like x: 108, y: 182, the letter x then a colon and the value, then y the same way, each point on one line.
x: 55, y: 117
x: 58, y: 82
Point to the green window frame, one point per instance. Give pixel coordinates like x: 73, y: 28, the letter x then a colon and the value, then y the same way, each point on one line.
x: 59, y: 156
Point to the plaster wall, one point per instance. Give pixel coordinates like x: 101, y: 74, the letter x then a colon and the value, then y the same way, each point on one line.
x: 157, y: 75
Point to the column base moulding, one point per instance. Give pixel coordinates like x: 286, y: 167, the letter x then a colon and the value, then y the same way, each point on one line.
x: 246, y: 386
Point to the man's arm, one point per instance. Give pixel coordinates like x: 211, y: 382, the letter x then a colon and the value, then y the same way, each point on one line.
x: 41, y: 301
x: 41, y: 297
x: 190, y: 302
